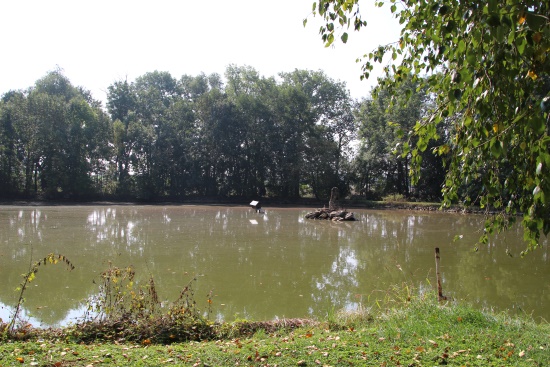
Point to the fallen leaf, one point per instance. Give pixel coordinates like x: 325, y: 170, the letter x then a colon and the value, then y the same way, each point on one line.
x: 522, y: 353
x: 20, y: 359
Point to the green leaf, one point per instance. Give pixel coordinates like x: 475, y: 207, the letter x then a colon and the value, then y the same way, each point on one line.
x: 471, y: 57
x: 496, y: 147
x: 344, y: 37
x: 329, y: 40
x: 461, y: 46
x: 520, y: 45
x: 422, y: 145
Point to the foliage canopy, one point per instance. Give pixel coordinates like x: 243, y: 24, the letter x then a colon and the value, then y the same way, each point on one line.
x: 486, y: 64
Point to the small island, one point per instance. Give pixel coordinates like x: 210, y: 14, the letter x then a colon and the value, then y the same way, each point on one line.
x: 333, y: 212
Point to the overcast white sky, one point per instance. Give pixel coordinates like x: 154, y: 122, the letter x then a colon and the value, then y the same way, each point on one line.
x: 99, y: 42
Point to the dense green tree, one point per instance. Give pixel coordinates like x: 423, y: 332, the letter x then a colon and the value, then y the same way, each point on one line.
x: 12, y: 106
x: 54, y: 139
x: 252, y: 96
x: 72, y: 136
x: 383, y: 159
x: 198, y: 90
x: 487, y: 64
x: 153, y: 131
x: 181, y: 118
x: 216, y: 147
x: 293, y: 120
x: 316, y: 128
x: 374, y: 154
x: 121, y: 104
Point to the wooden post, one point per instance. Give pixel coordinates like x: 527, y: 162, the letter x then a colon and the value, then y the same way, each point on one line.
x: 440, y: 295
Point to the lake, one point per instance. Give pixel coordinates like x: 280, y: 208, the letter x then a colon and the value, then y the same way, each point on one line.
x: 262, y: 267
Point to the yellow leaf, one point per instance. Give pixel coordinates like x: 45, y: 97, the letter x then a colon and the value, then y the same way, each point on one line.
x: 531, y: 74
x: 522, y: 17
x: 523, y: 145
x: 20, y: 360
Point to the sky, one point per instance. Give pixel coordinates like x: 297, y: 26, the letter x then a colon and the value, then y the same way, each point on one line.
x: 96, y: 43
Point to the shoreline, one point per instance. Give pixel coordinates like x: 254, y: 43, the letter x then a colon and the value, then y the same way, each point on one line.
x: 238, y: 201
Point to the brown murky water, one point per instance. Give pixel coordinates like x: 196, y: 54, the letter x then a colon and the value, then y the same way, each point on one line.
x: 276, y: 265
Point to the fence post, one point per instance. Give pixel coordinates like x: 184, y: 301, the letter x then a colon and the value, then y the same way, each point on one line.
x: 440, y: 295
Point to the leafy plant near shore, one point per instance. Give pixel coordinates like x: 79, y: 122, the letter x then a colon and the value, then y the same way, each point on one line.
x: 123, y: 310
x: 28, y: 278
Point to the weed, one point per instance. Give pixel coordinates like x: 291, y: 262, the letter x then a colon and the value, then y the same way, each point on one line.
x: 123, y: 310
x: 51, y: 258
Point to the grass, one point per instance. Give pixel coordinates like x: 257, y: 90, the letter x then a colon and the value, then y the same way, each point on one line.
x: 403, y: 329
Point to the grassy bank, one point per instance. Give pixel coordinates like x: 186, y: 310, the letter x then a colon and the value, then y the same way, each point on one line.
x: 415, y: 331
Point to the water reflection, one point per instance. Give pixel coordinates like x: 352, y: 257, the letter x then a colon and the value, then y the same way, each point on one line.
x: 263, y: 266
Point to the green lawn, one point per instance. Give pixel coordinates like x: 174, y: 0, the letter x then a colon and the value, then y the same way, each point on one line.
x: 411, y: 332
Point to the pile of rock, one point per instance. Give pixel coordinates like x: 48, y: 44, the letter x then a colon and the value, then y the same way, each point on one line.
x: 329, y: 214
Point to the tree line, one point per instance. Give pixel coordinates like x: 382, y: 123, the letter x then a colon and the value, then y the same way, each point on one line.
x: 160, y: 138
